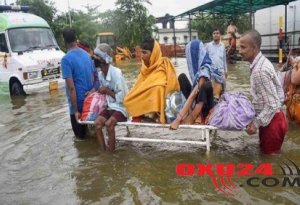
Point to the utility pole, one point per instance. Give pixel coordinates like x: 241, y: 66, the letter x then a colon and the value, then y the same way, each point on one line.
x: 70, y: 20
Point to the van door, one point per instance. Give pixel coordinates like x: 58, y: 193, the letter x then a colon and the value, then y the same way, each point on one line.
x: 4, y: 54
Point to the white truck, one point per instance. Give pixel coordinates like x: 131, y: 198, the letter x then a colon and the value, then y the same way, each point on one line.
x: 267, y: 24
x: 29, y: 54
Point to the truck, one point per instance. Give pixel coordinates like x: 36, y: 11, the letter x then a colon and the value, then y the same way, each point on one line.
x: 29, y: 54
x: 110, y: 39
x: 106, y: 37
x: 267, y: 24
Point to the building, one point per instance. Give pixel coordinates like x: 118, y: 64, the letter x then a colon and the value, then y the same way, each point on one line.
x: 166, y: 36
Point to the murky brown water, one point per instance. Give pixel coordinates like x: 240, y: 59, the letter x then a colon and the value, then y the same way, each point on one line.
x: 41, y: 162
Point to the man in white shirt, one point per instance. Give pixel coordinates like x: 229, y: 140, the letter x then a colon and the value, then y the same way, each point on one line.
x: 112, y: 83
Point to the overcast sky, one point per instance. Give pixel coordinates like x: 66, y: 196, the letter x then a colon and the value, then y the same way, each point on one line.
x: 157, y: 9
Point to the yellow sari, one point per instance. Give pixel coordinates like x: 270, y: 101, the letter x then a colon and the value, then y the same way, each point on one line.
x: 153, y: 84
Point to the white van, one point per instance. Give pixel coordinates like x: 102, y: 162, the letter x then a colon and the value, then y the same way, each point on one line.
x: 29, y: 54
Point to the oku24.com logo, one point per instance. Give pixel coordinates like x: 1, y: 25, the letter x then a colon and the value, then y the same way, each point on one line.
x: 256, y: 176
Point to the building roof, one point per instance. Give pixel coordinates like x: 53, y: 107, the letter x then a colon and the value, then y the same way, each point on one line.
x: 232, y: 7
x: 17, y: 19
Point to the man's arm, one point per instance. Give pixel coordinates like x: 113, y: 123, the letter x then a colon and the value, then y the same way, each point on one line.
x: 96, y: 84
x: 72, y: 92
x: 107, y: 91
x: 119, y: 90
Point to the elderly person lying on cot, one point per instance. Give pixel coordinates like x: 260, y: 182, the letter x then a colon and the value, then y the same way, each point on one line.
x: 112, y: 83
x: 157, y: 78
x: 200, y: 97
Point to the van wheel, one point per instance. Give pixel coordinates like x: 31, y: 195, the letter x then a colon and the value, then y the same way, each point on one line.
x: 16, y: 89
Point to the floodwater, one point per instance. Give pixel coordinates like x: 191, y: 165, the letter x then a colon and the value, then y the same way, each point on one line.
x: 42, y: 163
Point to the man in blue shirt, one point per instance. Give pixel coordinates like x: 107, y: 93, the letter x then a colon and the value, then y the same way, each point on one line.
x: 217, y: 53
x: 78, y: 72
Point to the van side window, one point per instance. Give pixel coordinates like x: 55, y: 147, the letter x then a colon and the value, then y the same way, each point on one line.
x: 3, y: 45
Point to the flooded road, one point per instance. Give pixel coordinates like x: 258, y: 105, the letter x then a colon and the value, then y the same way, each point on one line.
x: 42, y: 163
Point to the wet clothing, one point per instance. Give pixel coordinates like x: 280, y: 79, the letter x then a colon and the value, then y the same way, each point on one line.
x: 154, y: 83
x: 78, y: 129
x: 266, y: 90
x: 78, y: 65
x: 119, y: 116
x: 217, y: 53
x: 272, y: 136
x: 185, y: 85
x: 115, y: 81
x: 232, y: 46
x: 267, y: 100
x: 234, y: 112
x: 205, y: 93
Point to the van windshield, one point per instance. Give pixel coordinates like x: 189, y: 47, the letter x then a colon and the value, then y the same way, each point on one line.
x: 27, y: 39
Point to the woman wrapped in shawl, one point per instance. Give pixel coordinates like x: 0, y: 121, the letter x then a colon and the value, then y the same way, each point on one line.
x: 157, y: 78
x: 200, y: 95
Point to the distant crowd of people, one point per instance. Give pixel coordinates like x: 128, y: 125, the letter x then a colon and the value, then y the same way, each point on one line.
x: 146, y: 100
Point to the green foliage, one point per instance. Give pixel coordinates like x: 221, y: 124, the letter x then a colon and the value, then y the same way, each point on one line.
x: 60, y: 23
x: 86, y: 25
x: 243, y: 23
x: 206, y: 25
x: 131, y: 22
x: 44, y: 9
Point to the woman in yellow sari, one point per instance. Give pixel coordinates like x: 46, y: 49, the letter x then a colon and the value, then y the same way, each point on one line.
x: 157, y: 78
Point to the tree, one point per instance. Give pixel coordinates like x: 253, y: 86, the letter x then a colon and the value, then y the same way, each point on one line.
x: 132, y: 22
x: 60, y: 22
x: 205, y: 26
x: 86, y: 24
x: 44, y: 9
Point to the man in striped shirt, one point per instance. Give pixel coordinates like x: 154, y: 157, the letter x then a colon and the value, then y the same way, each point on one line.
x: 267, y: 95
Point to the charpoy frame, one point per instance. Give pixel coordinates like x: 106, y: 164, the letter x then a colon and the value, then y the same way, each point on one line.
x: 203, y: 139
